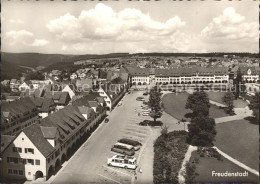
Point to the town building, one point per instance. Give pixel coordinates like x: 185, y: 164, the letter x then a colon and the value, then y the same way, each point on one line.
x: 39, y: 150
x: 17, y: 115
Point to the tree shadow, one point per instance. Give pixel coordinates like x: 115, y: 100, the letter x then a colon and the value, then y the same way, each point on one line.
x: 252, y: 120
x: 189, y: 115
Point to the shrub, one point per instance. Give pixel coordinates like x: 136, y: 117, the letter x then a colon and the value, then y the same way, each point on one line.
x: 169, y: 153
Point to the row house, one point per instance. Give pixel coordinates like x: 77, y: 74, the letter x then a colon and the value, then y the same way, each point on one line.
x: 36, y: 84
x: 183, y: 75
x: 138, y: 76
x: 61, y: 99
x: 112, y: 93
x: 17, y: 115
x: 39, y: 150
x: 45, y: 106
x: 249, y: 74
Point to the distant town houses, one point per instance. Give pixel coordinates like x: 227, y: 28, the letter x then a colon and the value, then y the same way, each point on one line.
x: 44, y: 105
x: 17, y: 115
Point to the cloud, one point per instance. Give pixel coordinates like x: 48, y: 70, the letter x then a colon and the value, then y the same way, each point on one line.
x: 39, y: 42
x: 230, y: 26
x: 23, y: 37
x: 105, y: 26
x: 17, y: 21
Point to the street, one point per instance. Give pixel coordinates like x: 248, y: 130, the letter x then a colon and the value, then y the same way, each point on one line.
x: 88, y: 165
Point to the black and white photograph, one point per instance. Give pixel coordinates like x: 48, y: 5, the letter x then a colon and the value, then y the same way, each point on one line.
x: 129, y: 92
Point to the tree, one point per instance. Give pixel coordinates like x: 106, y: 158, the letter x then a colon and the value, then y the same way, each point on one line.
x: 198, y: 102
x: 5, y: 89
x: 239, y: 85
x: 155, y: 103
x: 202, y: 131
x: 228, y: 99
x: 35, y: 76
x: 255, y: 105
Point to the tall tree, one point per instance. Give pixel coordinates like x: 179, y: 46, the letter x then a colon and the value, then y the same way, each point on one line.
x: 255, y: 105
x: 155, y: 103
x: 239, y: 84
x: 228, y: 100
x: 202, y: 131
x: 198, y: 102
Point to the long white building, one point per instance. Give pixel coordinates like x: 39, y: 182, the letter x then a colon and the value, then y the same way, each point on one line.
x: 144, y: 76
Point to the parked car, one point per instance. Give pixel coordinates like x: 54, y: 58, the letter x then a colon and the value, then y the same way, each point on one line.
x: 146, y: 93
x: 131, y: 142
x: 120, y: 103
x: 123, y: 149
x: 140, y: 98
x: 126, y: 162
x: 150, y: 123
x: 146, y: 114
x: 106, y: 120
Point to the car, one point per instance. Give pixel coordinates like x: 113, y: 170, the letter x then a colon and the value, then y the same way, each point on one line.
x: 106, y: 120
x: 127, y: 162
x: 145, y: 114
x: 140, y: 98
x: 120, y: 103
x: 150, y: 123
x: 146, y: 93
x: 131, y: 142
x: 124, y: 149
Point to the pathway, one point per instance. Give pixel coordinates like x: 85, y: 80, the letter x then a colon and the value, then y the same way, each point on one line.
x: 186, y: 159
x: 237, y: 162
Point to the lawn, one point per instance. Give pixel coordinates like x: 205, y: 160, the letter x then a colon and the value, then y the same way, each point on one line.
x: 217, y: 97
x: 174, y: 104
x: 208, y: 164
x: 240, y: 140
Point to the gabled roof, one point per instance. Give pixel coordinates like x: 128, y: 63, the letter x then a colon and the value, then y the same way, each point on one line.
x: 18, y: 107
x: 93, y: 103
x: 35, y: 134
x: 5, y: 141
x: 60, y: 96
x: 49, y: 132
x: 254, y: 70
x: 63, y: 121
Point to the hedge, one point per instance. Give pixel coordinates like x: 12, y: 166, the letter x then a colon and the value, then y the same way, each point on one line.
x: 169, y: 152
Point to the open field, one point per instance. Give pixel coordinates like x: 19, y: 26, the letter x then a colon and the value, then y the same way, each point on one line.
x: 174, y: 104
x: 239, y: 139
x: 208, y: 164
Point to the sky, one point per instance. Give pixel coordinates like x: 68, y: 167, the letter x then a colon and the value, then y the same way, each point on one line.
x: 95, y: 27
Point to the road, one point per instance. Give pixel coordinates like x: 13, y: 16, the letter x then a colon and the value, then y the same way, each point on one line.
x: 88, y: 165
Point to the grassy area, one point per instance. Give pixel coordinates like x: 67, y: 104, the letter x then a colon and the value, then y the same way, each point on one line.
x: 208, y: 164
x: 217, y: 97
x: 174, y: 104
x: 240, y: 140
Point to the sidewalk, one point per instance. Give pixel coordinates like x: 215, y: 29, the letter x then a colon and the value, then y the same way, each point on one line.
x: 241, y: 113
x: 186, y: 159
x: 237, y: 162
x: 146, y: 163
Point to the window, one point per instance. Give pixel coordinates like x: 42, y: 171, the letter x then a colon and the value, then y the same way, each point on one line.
x: 15, y: 172
x: 10, y: 171
x: 21, y: 172
x: 37, y: 162
x: 17, y: 149
x: 12, y: 160
x: 29, y: 150
x: 30, y: 161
